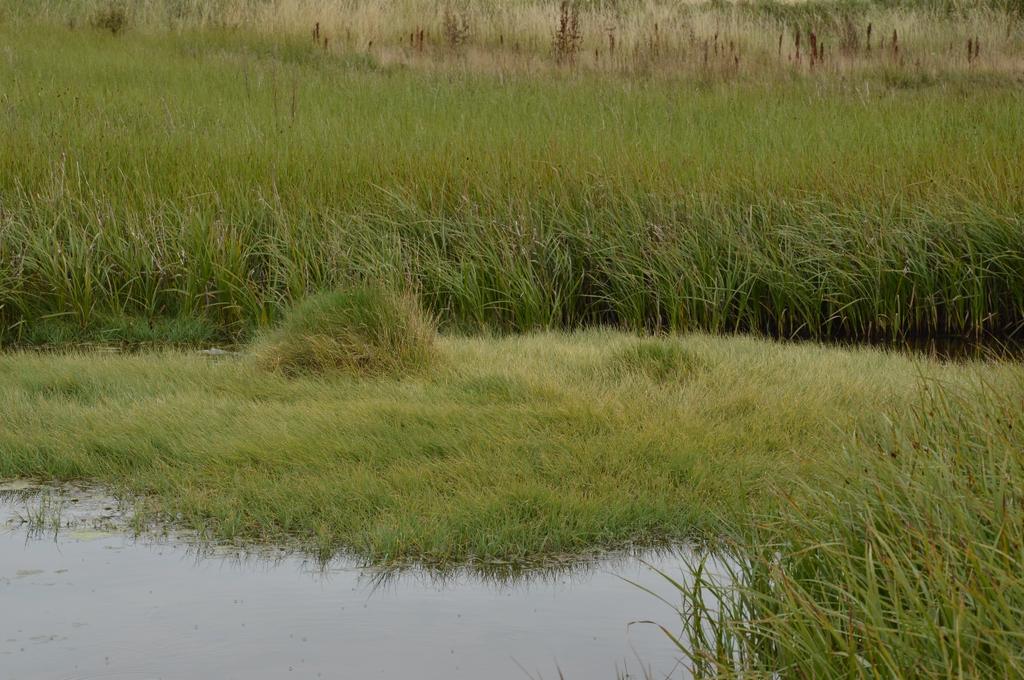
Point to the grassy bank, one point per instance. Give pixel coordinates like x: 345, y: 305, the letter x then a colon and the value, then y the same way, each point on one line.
x: 512, y: 449
x: 909, y: 568
x: 185, y: 183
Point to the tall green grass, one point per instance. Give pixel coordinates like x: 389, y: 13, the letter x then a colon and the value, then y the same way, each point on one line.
x: 190, y: 185
x: 909, y: 566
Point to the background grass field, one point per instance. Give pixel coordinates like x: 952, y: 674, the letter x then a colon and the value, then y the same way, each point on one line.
x: 184, y: 182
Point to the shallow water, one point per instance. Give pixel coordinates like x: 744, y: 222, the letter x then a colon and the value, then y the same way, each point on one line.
x: 80, y: 598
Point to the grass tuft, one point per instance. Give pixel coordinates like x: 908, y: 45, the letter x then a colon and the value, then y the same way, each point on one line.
x: 112, y: 17
x: 661, y: 360
x: 365, y: 330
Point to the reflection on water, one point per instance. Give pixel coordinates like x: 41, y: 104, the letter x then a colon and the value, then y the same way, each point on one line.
x: 82, y: 599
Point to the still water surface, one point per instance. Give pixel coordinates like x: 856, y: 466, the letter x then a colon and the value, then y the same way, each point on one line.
x: 82, y: 602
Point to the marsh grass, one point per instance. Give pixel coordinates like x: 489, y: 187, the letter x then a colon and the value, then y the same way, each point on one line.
x: 711, y: 39
x: 513, y: 449
x: 908, y: 566
x: 111, y: 17
x: 659, y: 360
x: 365, y: 330
x: 42, y: 514
x: 205, y: 180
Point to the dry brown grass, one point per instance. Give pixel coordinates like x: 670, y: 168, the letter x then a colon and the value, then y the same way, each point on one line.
x: 647, y: 36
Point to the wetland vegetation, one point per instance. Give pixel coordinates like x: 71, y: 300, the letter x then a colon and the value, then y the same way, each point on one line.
x: 187, y: 179
x: 507, y: 284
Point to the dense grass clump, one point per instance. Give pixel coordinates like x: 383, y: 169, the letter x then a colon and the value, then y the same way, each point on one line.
x: 661, y: 360
x: 365, y: 330
x: 909, y: 566
x: 111, y: 18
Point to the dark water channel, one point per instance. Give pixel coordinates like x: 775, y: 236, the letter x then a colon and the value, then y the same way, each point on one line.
x: 81, y: 598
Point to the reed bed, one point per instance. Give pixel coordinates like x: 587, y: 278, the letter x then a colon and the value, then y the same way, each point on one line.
x: 720, y: 38
x: 188, y: 184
